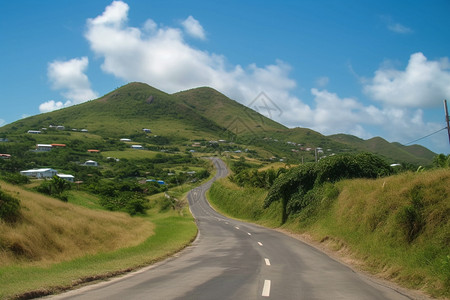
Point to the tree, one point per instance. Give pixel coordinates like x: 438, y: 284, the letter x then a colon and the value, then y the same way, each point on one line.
x: 59, y: 185
x: 441, y: 161
x: 293, y: 187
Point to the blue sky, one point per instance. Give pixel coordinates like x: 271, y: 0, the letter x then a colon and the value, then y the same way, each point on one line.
x: 367, y: 68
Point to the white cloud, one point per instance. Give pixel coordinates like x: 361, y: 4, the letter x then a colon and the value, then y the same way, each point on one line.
x: 193, y: 28
x: 160, y: 57
x: 424, y: 83
x: 394, y: 26
x: 399, y: 28
x: 114, y: 14
x: 69, y: 77
x: 322, y: 81
x: 52, y: 105
x: 333, y: 114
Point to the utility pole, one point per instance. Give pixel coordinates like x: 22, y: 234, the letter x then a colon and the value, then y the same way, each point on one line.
x: 447, y: 119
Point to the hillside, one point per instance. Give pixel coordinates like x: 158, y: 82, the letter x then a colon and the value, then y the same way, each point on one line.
x: 203, y: 114
x: 227, y: 113
x: 125, y: 111
x: 50, y: 230
x: 396, y: 151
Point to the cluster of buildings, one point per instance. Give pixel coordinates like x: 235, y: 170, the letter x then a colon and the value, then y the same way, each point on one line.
x: 46, y: 173
x: 56, y: 127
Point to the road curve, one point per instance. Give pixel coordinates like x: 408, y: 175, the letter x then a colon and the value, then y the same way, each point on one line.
x: 236, y: 260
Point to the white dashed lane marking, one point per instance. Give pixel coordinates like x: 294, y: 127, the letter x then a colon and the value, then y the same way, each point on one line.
x: 266, y: 289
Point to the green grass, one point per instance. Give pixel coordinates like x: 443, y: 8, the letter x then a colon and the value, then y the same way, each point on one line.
x: 361, y: 218
x: 84, y: 199
x: 242, y: 203
x: 130, y: 154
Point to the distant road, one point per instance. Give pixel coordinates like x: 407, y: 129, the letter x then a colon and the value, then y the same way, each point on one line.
x: 237, y: 260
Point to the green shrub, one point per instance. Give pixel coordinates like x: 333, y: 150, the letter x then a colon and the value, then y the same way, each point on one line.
x: 44, y: 188
x: 296, y: 188
x: 15, y: 178
x: 9, y: 208
x: 130, y: 202
x: 410, y: 217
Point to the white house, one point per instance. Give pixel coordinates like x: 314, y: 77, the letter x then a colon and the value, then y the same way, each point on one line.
x: 39, y: 173
x: 137, y: 147
x: 34, y: 131
x: 91, y: 163
x: 43, y: 147
x: 146, y: 130
x: 67, y: 177
x: 125, y: 140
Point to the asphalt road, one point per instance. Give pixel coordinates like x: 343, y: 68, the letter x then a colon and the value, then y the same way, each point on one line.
x: 237, y: 260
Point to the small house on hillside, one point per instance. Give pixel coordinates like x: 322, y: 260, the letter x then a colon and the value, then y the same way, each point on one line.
x: 39, y: 173
x: 58, y: 145
x: 146, y: 130
x: 93, y: 151
x: 67, y: 177
x: 91, y: 163
x: 125, y: 140
x: 43, y: 147
x: 5, y: 156
x: 34, y: 131
x: 139, y: 147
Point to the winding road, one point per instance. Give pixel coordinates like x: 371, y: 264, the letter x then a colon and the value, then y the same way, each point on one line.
x: 236, y: 260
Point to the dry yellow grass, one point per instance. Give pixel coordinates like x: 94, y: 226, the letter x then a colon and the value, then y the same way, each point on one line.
x: 53, y: 231
x: 276, y: 166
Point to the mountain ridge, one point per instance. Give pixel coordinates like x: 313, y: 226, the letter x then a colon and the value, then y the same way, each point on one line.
x: 202, y: 114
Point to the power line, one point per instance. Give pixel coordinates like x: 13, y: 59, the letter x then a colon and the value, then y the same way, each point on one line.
x: 425, y: 136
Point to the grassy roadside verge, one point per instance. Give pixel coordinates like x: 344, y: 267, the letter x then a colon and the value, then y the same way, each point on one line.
x: 60, y: 245
x: 365, y: 220
x: 171, y: 234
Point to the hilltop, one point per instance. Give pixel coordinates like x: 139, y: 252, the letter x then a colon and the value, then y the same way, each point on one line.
x: 202, y: 115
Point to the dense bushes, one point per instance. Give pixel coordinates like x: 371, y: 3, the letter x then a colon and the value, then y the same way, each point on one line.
x: 245, y: 175
x: 130, y: 202
x: 9, y: 208
x: 55, y: 187
x: 294, y: 188
x: 15, y: 178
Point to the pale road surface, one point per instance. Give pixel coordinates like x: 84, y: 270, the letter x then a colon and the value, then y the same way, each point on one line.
x: 237, y: 260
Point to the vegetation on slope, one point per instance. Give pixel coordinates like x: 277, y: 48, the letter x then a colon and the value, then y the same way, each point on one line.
x: 396, y: 227
x: 55, y: 246
x: 50, y: 230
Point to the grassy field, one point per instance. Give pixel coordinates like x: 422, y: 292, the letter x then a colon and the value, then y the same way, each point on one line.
x: 58, y: 245
x: 365, y: 220
x: 130, y: 154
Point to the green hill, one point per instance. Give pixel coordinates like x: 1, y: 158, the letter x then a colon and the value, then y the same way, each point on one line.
x: 124, y: 111
x: 228, y: 113
x: 202, y: 114
x: 413, y: 154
